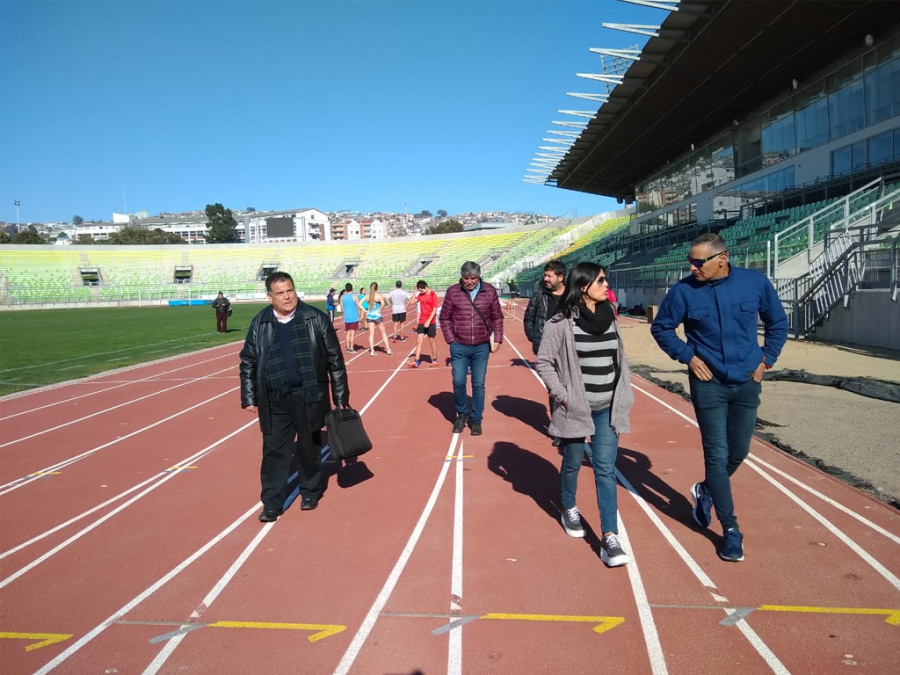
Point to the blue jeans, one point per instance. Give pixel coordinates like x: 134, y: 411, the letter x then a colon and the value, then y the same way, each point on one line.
x: 726, y: 415
x: 604, y: 447
x: 465, y: 358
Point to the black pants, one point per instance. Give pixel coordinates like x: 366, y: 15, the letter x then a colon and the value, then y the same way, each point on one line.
x: 221, y: 323
x: 290, y: 434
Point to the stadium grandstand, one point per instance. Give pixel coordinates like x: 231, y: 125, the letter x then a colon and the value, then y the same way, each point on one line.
x: 113, y: 275
x: 775, y: 124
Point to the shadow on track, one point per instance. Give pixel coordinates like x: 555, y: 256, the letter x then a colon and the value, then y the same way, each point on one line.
x: 664, y: 499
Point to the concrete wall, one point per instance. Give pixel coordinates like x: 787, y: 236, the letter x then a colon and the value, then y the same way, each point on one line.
x: 871, y: 319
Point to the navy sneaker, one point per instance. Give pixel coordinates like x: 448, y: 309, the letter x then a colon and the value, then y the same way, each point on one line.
x: 733, y: 547
x: 702, y: 504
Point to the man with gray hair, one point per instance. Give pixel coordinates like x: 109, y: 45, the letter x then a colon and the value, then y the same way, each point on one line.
x: 720, y: 305
x: 472, y: 323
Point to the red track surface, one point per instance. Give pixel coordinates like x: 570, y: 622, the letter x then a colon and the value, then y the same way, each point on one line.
x: 376, y: 560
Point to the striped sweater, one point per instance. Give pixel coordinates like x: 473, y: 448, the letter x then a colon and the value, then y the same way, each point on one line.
x: 597, y: 357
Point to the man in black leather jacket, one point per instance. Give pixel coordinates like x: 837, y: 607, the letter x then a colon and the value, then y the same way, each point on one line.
x: 290, y: 353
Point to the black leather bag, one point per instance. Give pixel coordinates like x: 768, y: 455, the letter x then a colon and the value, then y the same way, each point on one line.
x: 346, y: 435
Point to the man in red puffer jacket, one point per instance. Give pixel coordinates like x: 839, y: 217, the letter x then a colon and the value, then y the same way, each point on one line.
x: 472, y: 322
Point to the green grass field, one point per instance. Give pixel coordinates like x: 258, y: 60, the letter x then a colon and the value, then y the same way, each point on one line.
x: 41, y: 347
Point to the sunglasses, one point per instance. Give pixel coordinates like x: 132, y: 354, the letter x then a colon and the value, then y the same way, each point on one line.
x: 600, y: 281
x: 700, y: 262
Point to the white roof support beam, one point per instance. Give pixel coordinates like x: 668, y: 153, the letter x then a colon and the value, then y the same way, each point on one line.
x: 640, y: 29
x: 577, y: 125
x: 578, y: 113
x: 541, y: 154
x: 665, y: 5
x: 567, y: 134
x: 599, y: 98
x: 557, y: 141
x: 552, y: 148
x: 611, y: 79
x: 633, y: 54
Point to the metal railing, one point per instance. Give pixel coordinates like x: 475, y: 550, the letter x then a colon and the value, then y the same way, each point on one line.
x: 854, y: 260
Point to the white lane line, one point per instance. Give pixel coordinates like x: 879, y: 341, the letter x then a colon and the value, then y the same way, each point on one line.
x: 172, y: 644
x: 828, y: 500
x: 831, y: 527
x: 118, y: 386
x: 381, y: 600
x: 365, y: 350
x: 91, y: 356
x: 78, y: 644
x: 454, y: 650
x: 25, y: 480
x: 645, y: 612
x: 115, y: 407
x: 761, y: 648
x: 891, y: 578
x: 78, y: 535
x: 175, y: 467
x: 91, y: 379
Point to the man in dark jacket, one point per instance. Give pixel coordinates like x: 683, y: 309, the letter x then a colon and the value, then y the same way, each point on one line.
x: 472, y: 323
x: 289, y: 355
x: 222, y: 307
x: 543, y: 305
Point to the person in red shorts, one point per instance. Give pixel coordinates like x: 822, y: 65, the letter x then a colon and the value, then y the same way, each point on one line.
x: 428, y: 307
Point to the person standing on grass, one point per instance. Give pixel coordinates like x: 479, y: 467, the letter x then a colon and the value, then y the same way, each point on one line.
x: 541, y: 307
x: 372, y: 307
x: 582, y: 362
x: 290, y: 354
x: 221, y: 305
x: 399, y: 299
x: 350, y: 307
x: 720, y: 305
x: 329, y: 304
x: 472, y: 323
x: 428, y: 311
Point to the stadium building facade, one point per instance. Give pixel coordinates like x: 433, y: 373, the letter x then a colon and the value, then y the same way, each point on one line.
x: 729, y: 107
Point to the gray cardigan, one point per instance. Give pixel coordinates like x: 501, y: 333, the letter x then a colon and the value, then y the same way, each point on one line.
x: 557, y: 364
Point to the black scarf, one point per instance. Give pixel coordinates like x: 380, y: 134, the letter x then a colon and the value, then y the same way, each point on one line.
x: 598, y: 321
x: 276, y: 375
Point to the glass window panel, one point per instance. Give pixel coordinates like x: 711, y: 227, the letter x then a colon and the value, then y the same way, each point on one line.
x: 883, y: 92
x: 840, y: 161
x: 858, y: 155
x: 880, y: 148
x: 846, y: 108
x: 896, y: 143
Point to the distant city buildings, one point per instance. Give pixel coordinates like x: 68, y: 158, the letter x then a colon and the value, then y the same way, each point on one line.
x: 288, y: 226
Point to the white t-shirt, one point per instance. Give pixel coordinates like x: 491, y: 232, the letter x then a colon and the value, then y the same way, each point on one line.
x: 399, y: 298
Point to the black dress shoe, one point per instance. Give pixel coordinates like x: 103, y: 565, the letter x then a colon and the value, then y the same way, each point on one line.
x: 460, y: 423
x: 476, y: 428
x: 269, y: 515
x: 308, y: 503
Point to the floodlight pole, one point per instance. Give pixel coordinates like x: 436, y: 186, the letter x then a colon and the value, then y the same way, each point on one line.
x: 18, y: 204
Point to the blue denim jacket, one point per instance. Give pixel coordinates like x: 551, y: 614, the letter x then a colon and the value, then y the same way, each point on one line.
x: 720, y: 319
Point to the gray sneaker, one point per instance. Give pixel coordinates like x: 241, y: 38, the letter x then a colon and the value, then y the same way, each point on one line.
x: 611, y: 552
x: 571, y: 522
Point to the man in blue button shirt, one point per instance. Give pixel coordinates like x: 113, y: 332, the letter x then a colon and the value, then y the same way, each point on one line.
x: 719, y: 305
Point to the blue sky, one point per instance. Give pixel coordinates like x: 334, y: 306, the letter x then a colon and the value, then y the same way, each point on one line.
x: 360, y: 105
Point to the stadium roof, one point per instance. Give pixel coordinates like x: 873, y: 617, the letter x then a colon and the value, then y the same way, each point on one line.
x: 713, y: 62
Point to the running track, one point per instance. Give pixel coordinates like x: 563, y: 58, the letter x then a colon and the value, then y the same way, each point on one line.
x: 129, y: 541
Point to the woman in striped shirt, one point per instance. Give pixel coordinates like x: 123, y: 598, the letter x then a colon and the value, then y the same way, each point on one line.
x: 582, y: 362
